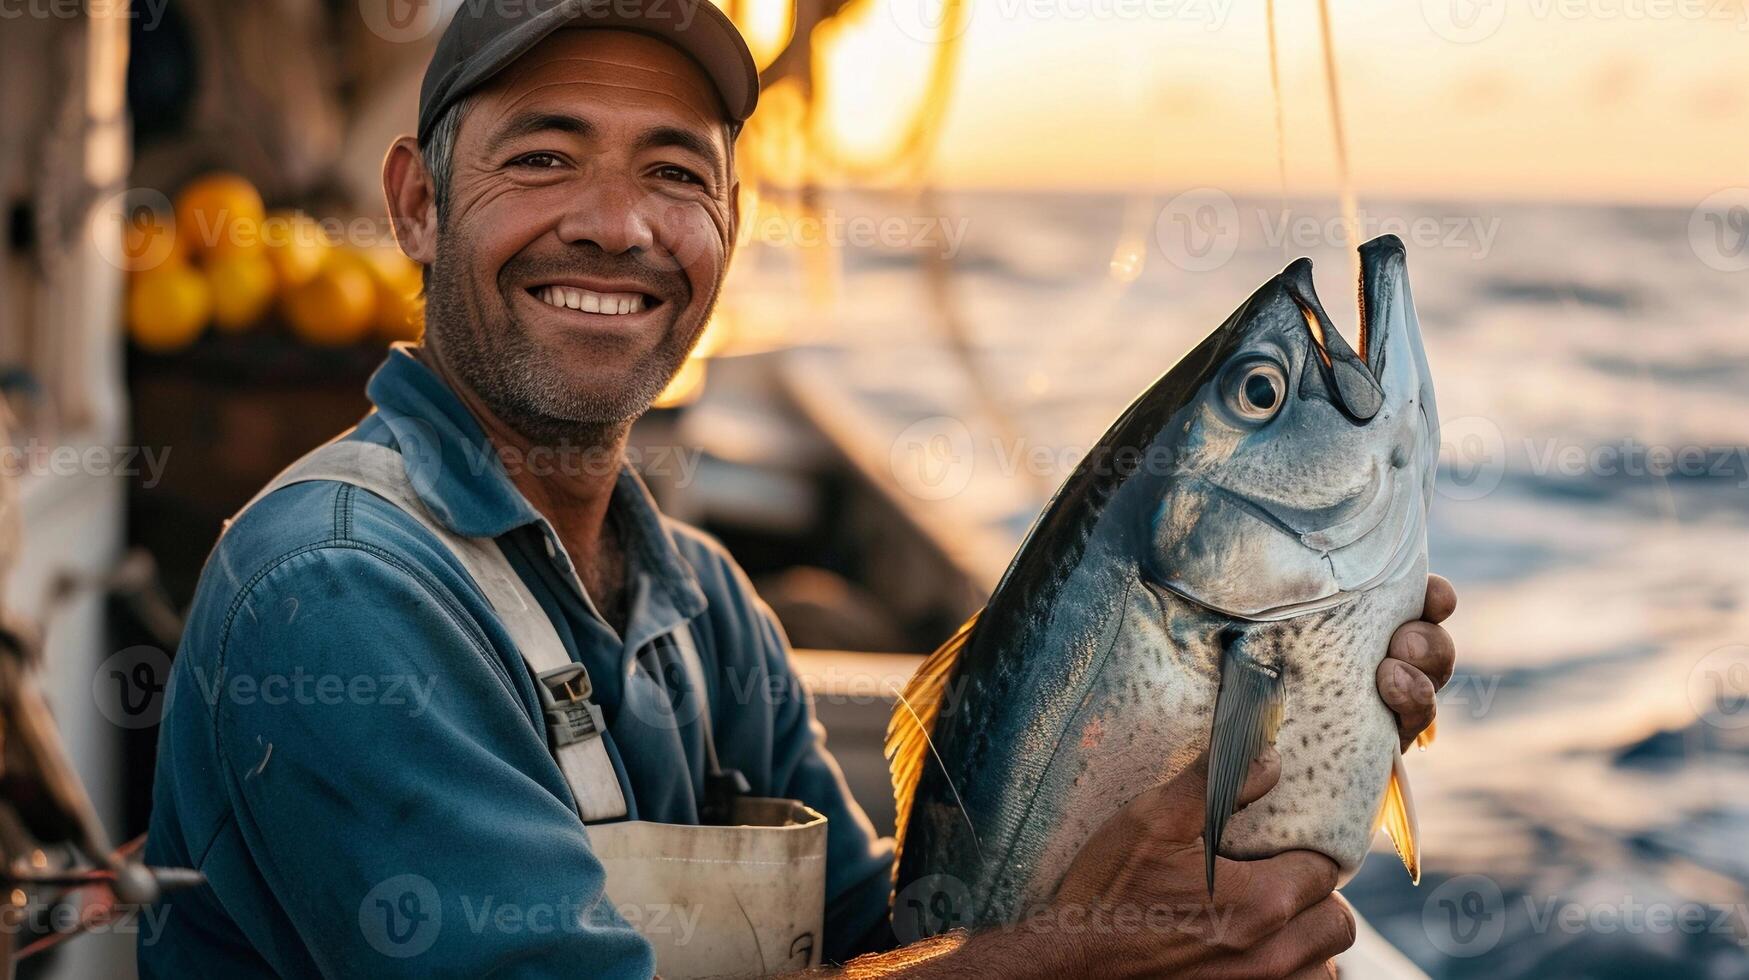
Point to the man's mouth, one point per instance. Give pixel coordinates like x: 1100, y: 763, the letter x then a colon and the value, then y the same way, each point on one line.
x: 614, y: 303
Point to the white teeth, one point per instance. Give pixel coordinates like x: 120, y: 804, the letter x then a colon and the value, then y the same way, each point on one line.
x: 611, y: 304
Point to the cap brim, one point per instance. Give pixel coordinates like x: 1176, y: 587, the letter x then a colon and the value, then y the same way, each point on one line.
x: 697, y: 27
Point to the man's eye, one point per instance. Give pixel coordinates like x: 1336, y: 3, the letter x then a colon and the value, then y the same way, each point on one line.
x: 541, y: 160
x: 672, y: 172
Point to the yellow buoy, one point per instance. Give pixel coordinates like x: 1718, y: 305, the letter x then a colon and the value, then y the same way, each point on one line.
x: 168, y: 307
x: 397, y: 281
x: 242, y: 288
x: 335, y: 308
x: 220, y: 214
x: 297, y: 245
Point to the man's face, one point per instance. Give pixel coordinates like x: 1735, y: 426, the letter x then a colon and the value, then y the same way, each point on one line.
x: 587, y: 232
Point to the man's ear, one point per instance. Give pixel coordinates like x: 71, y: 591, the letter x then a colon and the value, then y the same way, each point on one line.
x: 734, y: 219
x: 412, y: 201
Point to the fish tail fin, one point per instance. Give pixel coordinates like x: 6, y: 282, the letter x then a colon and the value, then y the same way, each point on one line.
x: 1397, y: 817
x: 1248, y: 710
x: 914, y: 717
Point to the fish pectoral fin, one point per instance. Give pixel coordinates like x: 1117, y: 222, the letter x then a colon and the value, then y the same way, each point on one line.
x: 1427, y: 734
x: 1247, y: 717
x: 914, y: 717
x: 1397, y: 817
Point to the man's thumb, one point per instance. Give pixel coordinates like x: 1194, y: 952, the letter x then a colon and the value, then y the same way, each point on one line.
x: 1178, y: 805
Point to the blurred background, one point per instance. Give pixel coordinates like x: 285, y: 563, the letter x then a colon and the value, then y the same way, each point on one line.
x: 973, y: 231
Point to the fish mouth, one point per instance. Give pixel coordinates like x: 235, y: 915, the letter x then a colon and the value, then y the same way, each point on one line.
x: 1356, y: 380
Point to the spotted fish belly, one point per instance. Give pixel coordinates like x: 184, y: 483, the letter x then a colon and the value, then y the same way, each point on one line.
x: 1148, y: 716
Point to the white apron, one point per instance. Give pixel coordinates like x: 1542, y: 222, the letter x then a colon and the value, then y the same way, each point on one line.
x: 745, y: 899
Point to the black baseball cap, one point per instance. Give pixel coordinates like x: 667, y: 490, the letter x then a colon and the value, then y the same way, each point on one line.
x: 486, y: 36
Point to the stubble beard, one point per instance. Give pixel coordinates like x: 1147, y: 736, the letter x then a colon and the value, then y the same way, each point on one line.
x: 525, y: 386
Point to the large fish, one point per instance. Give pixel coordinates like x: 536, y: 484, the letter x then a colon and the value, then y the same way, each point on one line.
x: 1225, y: 568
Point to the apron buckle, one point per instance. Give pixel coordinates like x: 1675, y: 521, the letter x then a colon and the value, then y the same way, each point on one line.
x: 571, y: 716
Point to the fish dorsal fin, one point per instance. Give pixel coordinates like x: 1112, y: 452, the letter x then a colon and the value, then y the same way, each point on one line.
x: 1397, y: 817
x: 914, y: 718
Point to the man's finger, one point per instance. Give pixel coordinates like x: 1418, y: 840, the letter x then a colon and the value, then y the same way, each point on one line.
x: 1410, y: 696
x: 1441, y: 599
x: 1427, y: 648
x: 1310, y: 939
x: 1267, y: 894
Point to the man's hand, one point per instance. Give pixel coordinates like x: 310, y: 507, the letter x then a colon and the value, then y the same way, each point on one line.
x: 1420, y: 662
x: 1275, y: 917
x: 1134, y: 904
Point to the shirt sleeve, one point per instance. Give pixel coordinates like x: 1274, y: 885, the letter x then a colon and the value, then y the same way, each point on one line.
x: 357, y: 693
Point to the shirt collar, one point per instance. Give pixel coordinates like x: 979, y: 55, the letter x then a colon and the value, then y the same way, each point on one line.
x: 461, y: 480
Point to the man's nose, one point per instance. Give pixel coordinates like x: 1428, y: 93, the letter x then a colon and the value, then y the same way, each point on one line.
x: 610, y: 214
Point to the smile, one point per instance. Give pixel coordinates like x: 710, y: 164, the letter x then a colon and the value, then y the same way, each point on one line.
x: 593, y: 301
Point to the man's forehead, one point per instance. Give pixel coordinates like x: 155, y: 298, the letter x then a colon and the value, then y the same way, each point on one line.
x: 605, y: 64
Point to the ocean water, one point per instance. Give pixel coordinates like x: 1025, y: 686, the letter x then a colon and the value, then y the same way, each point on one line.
x: 1585, y: 809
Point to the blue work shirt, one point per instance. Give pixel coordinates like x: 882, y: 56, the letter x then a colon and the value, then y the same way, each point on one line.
x: 354, y: 755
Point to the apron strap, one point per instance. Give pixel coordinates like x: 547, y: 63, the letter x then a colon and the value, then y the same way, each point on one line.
x: 722, y: 787
x: 573, y: 722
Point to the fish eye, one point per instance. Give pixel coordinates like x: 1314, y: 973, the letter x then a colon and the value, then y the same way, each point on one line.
x: 1257, y: 391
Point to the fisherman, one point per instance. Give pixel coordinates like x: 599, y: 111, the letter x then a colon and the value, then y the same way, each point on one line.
x: 439, y: 710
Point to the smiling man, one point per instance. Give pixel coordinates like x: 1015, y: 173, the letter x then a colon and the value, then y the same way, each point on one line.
x: 605, y: 693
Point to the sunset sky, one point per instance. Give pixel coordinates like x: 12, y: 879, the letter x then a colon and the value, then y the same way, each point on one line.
x: 1636, y: 100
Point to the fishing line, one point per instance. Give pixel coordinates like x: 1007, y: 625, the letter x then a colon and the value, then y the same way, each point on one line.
x: 1280, y: 119
x: 1350, y: 210
x: 946, y: 776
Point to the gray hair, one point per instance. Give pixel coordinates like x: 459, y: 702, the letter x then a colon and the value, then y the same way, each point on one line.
x: 438, y: 151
